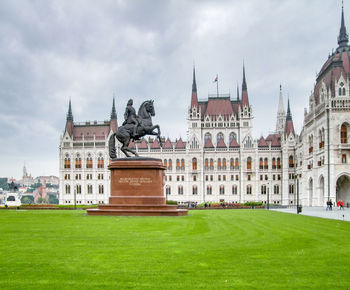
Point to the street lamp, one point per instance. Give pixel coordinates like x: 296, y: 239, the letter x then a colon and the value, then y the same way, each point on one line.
x: 268, y: 195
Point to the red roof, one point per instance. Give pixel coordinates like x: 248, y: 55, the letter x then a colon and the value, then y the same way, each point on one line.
x: 155, y: 144
x: 179, y: 144
x: 289, y: 127
x: 245, y: 101
x: 221, y: 143
x: 275, y: 140
x: 208, y: 144
x: 335, y: 66
x: 233, y: 143
x: 219, y: 106
x: 262, y: 142
x: 167, y: 144
x: 194, y: 100
x: 143, y: 144
x: 90, y: 130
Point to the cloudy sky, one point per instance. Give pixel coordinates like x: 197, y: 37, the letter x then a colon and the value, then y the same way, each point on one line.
x: 88, y: 51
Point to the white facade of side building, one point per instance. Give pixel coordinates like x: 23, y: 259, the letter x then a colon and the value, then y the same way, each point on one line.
x: 79, y: 179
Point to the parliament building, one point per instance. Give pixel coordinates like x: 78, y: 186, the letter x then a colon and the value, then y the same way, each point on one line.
x: 221, y: 160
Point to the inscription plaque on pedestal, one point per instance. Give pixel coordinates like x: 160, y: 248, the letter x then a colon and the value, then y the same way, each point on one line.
x: 137, y: 189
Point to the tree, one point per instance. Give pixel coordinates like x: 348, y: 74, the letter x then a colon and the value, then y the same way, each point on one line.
x: 27, y: 199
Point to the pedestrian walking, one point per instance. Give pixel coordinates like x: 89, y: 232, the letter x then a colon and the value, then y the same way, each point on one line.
x: 341, y: 205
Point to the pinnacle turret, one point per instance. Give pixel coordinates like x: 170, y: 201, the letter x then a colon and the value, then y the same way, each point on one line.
x: 70, y: 114
x: 245, y: 101
x: 343, y: 37
x: 114, y: 112
x: 194, y: 99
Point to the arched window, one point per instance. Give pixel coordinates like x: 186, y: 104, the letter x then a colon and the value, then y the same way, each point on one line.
x: 67, y: 163
x: 89, y: 189
x: 263, y: 189
x: 78, y: 162
x: 194, y: 190
x: 224, y: 163
x: 232, y: 136
x: 177, y: 164
x: 344, y: 92
x: 206, y: 137
x: 291, y: 161
x: 78, y: 189
x: 170, y: 165
x: 165, y: 163
x: 236, y: 163
x: 168, y: 190
x: 291, y: 188
x: 209, y: 190
x: 276, y: 189
x: 260, y: 163
x: 89, y: 161
x: 234, y: 189
x: 343, y: 134
x: 206, y: 164
x: 278, y: 163
x: 339, y: 91
x: 211, y: 164
x: 232, y: 163
x: 219, y: 164
x: 249, y: 189
x: 182, y: 164
x: 222, y: 189
x: 273, y: 163
x: 311, y: 142
x: 194, y: 163
x: 100, y: 189
x: 100, y: 162
x: 219, y: 136
x: 249, y: 163
x: 67, y: 189
x: 266, y: 163
x: 180, y: 190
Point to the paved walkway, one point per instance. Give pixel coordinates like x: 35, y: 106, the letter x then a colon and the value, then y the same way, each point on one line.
x: 320, y: 212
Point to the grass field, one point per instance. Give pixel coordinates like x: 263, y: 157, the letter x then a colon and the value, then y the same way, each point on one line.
x: 207, y: 249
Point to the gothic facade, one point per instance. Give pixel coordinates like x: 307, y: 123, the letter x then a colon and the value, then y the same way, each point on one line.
x: 221, y: 160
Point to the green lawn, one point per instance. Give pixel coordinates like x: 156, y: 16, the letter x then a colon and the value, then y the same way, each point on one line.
x: 212, y: 249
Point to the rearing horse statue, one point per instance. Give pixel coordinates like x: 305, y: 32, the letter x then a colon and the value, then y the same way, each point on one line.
x: 125, y: 133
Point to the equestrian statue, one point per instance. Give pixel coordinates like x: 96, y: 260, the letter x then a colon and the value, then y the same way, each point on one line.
x: 134, y: 127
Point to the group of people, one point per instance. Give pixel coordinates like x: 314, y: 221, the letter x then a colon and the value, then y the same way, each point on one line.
x: 340, y: 204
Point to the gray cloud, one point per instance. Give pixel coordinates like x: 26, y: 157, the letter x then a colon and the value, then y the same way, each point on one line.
x: 89, y: 50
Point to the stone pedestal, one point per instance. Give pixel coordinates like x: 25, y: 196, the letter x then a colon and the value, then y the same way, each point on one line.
x: 137, y: 190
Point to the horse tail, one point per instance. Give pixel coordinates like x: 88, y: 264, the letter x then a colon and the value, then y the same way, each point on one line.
x: 111, y: 146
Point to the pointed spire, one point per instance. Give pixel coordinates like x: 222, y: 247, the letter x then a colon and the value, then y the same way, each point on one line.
x: 343, y: 37
x: 281, y: 115
x: 194, y: 99
x: 69, y: 122
x: 70, y: 114
x: 194, y: 84
x: 280, y: 103
x: 289, y: 122
x: 289, y: 115
x: 113, y: 113
x: 244, y: 83
x: 113, y: 123
x: 245, y: 101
